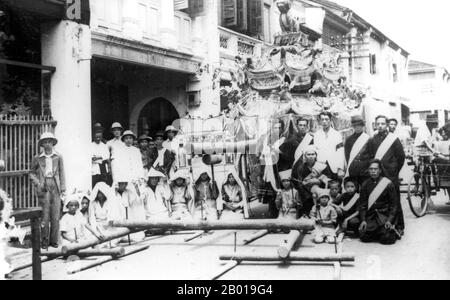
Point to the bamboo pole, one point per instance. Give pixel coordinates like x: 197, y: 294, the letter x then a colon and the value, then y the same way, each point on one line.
x: 86, y: 253
x: 222, y: 270
x: 293, y: 257
x: 256, y: 236
x: 219, y: 225
x: 288, y: 244
x: 117, y: 234
x: 193, y: 237
x: 79, y: 266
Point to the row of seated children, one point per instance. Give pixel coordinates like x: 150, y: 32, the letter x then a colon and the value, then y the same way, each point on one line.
x: 88, y: 216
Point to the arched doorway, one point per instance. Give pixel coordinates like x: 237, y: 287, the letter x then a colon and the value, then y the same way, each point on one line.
x: 156, y: 115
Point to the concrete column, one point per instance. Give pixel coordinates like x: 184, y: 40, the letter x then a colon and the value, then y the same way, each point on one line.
x: 198, y: 46
x: 167, y: 29
x: 130, y: 20
x: 210, y: 92
x: 66, y: 45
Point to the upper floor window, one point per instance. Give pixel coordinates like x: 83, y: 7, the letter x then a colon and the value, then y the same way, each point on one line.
x: 249, y: 17
x: 394, y: 72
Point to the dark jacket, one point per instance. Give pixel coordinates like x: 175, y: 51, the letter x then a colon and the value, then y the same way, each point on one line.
x: 37, y: 172
x: 385, y: 208
x: 393, y: 161
x: 360, y: 164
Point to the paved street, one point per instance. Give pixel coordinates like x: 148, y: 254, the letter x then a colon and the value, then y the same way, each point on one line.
x: 424, y: 253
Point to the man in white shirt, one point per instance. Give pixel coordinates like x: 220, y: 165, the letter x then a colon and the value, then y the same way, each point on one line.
x: 330, y: 145
x: 100, y: 160
x: 115, y: 144
x: 172, y: 143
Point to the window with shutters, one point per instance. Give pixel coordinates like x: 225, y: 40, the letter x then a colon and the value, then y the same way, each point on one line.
x: 109, y: 13
x: 246, y: 17
x: 373, y: 64
x: 149, y: 17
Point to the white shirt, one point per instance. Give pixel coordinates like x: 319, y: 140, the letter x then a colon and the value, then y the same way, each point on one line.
x: 330, y: 147
x: 154, y: 202
x: 48, y: 164
x: 99, y: 150
x: 73, y: 226
x: 114, y: 144
x: 128, y: 164
x: 171, y: 145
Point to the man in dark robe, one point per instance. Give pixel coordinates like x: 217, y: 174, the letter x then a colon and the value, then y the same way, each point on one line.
x: 378, y: 208
x: 356, y: 156
x: 387, y: 148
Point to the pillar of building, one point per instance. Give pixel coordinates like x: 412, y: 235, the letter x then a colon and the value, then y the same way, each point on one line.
x: 209, y: 80
x: 132, y: 28
x: 167, y: 29
x: 66, y: 45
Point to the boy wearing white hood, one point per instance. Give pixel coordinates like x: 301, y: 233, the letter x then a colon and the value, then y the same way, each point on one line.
x: 233, y: 193
x: 206, y: 194
x: 103, y: 209
x: 156, y: 197
x: 288, y: 200
x: 182, y: 196
x: 131, y: 206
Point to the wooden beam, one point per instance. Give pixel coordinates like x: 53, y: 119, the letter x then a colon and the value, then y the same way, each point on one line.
x: 27, y: 214
x: 293, y: 257
x: 27, y: 65
x: 288, y: 243
x: 117, y: 234
x: 86, y: 253
x: 193, y: 237
x: 82, y: 266
x: 219, y: 225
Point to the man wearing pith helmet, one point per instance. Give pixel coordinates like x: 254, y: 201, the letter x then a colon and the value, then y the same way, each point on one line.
x: 47, y: 176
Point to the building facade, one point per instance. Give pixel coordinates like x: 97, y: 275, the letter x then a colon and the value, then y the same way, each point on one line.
x: 146, y: 63
x: 429, y: 91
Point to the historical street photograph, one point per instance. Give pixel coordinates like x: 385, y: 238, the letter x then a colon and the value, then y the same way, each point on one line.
x: 230, y: 141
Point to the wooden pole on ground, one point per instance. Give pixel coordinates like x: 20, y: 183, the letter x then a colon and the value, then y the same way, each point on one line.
x: 193, y: 237
x: 86, y: 253
x: 256, y: 236
x: 293, y: 257
x: 81, y: 266
x: 222, y: 270
x: 219, y: 225
x: 117, y: 234
x: 340, y: 249
x: 288, y: 243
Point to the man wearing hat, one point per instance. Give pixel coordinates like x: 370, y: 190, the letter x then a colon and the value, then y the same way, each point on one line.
x: 148, y: 155
x: 128, y: 160
x: 172, y: 143
x: 115, y: 143
x: 48, y: 177
x: 100, y: 159
x: 165, y: 157
x: 356, y: 155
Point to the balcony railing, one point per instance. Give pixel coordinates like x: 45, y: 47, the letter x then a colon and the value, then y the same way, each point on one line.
x: 233, y: 43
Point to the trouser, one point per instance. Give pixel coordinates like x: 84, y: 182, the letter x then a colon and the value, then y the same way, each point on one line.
x: 50, y: 201
x: 381, y: 235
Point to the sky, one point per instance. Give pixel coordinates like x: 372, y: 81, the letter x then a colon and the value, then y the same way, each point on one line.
x: 420, y: 27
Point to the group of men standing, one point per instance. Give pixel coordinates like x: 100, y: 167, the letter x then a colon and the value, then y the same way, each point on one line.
x: 126, y: 155
x: 373, y: 162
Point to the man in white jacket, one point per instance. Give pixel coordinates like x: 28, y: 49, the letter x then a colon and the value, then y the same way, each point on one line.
x: 330, y: 145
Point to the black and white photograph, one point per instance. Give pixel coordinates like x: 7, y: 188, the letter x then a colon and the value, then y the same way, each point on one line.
x: 224, y: 141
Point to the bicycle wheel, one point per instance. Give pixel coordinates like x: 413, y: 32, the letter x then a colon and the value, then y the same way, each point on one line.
x: 418, y: 194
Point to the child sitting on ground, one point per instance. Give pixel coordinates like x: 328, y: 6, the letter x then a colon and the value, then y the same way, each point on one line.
x: 232, y: 196
x: 73, y: 226
x: 85, y: 207
x: 347, y: 203
x: 206, y: 194
x: 182, y: 196
x: 156, y: 197
x: 326, y: 218
x: 288, y: 201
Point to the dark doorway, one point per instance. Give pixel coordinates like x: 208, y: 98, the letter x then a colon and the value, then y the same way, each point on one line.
x: 157, y: 115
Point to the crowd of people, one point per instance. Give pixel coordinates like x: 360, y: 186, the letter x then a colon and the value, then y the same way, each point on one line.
x: 349, y: 186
